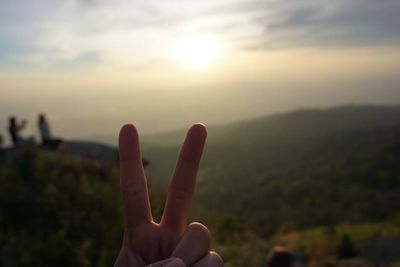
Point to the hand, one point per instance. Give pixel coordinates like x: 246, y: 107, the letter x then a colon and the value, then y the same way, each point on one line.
x: 146, y: 242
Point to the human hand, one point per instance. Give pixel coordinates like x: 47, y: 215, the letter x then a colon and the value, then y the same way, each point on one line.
x: 168, y: 243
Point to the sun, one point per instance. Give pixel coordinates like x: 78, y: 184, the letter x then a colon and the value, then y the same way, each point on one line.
x: 198, y: 52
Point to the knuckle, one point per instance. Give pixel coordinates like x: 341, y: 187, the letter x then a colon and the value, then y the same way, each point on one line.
x: 133, y: 189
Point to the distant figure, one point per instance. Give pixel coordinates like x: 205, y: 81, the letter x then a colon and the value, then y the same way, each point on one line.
x: 15, y: 129
x: 280, y: 256
x: 47, y: 139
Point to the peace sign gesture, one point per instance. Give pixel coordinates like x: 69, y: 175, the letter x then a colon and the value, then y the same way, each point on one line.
x: 169, y: 243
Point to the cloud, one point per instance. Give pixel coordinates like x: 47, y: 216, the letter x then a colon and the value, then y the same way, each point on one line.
x: 326, y: 23
x: 50, y: 33
x: 10, y: 54
x: 81, y: 61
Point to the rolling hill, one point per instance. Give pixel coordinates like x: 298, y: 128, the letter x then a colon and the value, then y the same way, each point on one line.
x: 295, y: 170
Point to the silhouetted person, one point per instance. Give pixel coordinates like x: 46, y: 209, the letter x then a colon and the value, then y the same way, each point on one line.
x: 15, y: 129
x: 47, y: 139
x: 280, y: 257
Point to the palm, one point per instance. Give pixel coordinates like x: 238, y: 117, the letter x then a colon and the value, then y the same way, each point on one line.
x: 145, y: 241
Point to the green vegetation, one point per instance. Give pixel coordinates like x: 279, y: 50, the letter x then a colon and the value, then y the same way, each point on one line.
x: 346, y: 248
x: 297, y: 171
x: 324, y: 183
x: 57, y: 211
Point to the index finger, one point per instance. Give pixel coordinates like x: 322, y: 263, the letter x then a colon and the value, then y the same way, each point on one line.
x: 182, y: 183
x: 135, y: 196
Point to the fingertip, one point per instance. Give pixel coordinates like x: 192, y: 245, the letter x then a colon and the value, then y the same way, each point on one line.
x: 199, y: 124
x: 198, y: 129
x: 127, y: 130
x: 194, y: 143
x: 200, y: 232
x: 194, y: 244
x: 128, y: 142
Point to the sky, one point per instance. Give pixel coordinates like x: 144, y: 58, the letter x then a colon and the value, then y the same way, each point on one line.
x: 92, y: 65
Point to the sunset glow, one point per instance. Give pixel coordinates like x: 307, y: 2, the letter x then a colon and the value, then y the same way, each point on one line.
x: 165, y: 65
x: 198, y: 52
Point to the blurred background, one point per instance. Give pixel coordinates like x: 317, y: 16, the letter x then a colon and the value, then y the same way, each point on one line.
x: 301, y: 99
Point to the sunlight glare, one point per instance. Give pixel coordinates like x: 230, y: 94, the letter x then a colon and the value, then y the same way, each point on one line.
x: 198, y: 52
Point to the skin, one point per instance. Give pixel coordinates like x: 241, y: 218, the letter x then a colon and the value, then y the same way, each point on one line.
x: 171, y: 242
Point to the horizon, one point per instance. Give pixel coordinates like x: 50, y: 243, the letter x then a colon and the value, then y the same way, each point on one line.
x: 106, y: 139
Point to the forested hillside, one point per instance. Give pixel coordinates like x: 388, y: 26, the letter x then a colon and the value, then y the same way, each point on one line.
x: 302, y: 169
x: 57, y: 210
x: 325, y: 182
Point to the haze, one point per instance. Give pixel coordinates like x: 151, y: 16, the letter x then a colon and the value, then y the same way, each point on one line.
x: 95, y: 64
